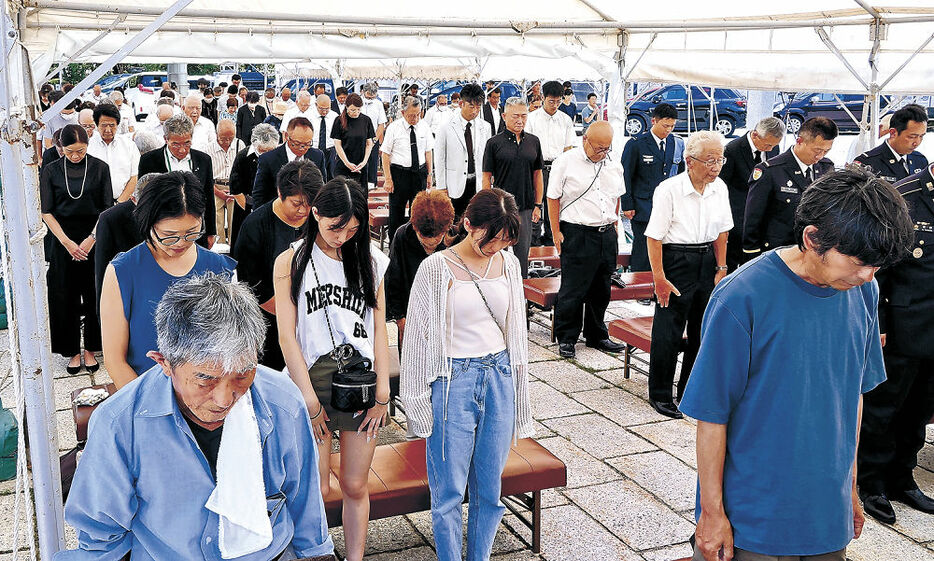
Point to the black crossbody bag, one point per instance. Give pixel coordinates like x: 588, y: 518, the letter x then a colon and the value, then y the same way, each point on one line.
x: 353, y: 383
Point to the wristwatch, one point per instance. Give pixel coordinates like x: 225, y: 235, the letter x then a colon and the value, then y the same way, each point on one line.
x: 540, y: 206
x: 723, y: 268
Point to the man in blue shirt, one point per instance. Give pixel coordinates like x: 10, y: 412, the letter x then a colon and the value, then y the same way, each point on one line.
x: 790, y: 343
x: 205, y: 440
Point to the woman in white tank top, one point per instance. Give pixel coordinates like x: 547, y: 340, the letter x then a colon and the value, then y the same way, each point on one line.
x: 464, y: 371
x: 328, y: 284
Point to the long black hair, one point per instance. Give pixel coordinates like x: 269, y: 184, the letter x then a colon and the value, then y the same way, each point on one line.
x: 344, y: 199
x: 168, y: 195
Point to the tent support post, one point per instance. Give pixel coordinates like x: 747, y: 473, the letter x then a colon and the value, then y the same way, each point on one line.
x: 29, y: 334
x: 79, y: 52
x: 113, y: 59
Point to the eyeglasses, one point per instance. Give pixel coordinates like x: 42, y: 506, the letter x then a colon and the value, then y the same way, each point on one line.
x: 599, y: 149
x: 711, y: 164
x: 300, y: 145
x: 176, y: 145
x: 172, y: 240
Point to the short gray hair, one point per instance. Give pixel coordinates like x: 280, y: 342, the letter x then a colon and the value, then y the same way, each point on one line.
x: 178, y: 125
x: 229, y: 125
x: 303, y: 94
x: 515, y: 101
x: 147, y: 141
x: 771, y: 126
x: 411, y: 101
x: 196, y: 96
x: 115, y: 95
x: 209, y: 319
x: 165, y: 101
x: 264, y: 135
x: 371, y: 87
x: 141, y: 182
x: 693, y: 146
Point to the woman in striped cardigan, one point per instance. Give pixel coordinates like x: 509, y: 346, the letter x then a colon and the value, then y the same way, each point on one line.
x: 464, y: 371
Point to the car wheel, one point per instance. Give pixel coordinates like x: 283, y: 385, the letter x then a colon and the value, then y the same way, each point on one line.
x: 725, y: 126
x: 634, y: 125
x: 794, y: 124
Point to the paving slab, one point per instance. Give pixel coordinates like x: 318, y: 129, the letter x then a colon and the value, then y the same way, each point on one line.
x: 569, y: 534
x: 565, y: 377
x: 678, y: 437
x: 880, y: 542
x: 583, y: 469
x: 387, y: 534
x: 632, y: 514
x: 548, y: 403
x: 537, y: 353
x: 617, y: 405
x: 598, y: 436
x: 417, y: 554
x: 22, y: 537
x: 504, y: 542
x: 637, y: 383
x: 679, y: 551
x: 915, y: 524
x: 597, y: 360
x: 661, y: 474
x: 67, y: 439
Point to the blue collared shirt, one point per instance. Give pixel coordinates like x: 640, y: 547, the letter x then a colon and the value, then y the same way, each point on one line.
x: 142, y: 481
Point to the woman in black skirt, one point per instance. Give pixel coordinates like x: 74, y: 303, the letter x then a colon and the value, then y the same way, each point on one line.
x: 74, y: 189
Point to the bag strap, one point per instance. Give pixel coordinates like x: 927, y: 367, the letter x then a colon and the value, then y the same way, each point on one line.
x: 327, y: 316
x: 482, y: 296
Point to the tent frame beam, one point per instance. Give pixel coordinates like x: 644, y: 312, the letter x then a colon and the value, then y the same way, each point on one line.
x: 825, y: 38
x: 118, y: 20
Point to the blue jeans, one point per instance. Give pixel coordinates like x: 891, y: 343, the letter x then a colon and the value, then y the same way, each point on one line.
x: 469, y: 449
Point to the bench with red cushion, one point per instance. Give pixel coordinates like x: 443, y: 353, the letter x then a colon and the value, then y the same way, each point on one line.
x: 635, y: 333
x: 398, y: 483
x: 543, y: 293
x: 548, y: 255
x: 379, y: 223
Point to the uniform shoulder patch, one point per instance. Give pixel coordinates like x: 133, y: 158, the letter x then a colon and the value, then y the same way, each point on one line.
x: 756, y: 174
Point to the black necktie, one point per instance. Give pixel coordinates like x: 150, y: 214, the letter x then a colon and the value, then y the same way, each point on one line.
x: 322, y: 134
x: 757, y: 156
x: 413, y: 144
x: 661, y: 146
x: 468, y: 140
x: 905, y: 165
x: 809, y: 175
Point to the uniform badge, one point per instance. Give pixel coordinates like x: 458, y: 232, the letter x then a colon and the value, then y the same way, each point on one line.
x: 756, y: 174
x: 648, y: 159
x: 929, y: 186
x: 792, y: 190
x: 790, y: 183
x: 891, y: 161
x: 917, y: 253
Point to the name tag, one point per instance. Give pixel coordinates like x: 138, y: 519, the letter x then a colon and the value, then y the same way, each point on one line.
x: 888, y: 178
x: 917, y: 170
x: 648, y: 159
x: 924, y: 227
x: 790, y: 190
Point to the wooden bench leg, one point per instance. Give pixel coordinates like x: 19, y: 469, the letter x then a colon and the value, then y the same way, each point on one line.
x: 537, y: 522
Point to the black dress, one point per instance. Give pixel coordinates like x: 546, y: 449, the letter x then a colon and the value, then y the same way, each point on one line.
x: 247, y: 119
x: 242, y: 175
x: 263, y: 237
x: 353, y: 141
x: 76, y: 204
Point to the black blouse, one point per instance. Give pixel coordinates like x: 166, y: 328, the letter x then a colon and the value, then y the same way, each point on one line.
x: 262, y: 238
x: 67, y: 200
x: 405, y: 255
x: 353, y: 138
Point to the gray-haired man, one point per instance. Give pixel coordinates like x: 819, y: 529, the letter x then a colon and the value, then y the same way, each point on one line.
x: 406, y: 153
x: 206, y: 456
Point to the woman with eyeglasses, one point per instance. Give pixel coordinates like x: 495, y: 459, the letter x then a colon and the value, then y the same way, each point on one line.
x: 169, y: 218
x: 74, y: 191
x: 353, y: 140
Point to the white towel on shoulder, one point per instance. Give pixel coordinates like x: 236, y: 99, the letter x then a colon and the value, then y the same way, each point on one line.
x: 239, y: 499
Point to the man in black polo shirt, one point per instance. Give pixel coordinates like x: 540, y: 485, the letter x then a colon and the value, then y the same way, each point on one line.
x: 512, y: 162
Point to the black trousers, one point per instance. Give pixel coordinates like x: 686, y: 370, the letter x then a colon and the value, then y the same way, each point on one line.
x: 406, y: 184
x: 734, y: 250
x: 541, y: 233
x: 588, y: 258
x: 692, y: 273
x: 639, y: 260
x: 72, y: 294
x: 460, y: 203
x: 272, y: 353
x: 369, y: 172
x: 894, y: 417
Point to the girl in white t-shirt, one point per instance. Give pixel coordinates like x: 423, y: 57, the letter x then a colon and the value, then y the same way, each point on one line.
x: 331, y: 276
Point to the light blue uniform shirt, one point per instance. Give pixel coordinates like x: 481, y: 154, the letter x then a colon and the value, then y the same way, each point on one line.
x: 142, y: 481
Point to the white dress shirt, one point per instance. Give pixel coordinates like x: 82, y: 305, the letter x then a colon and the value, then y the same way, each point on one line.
x: 437, y: 116
x: 316, y: 129
x: 221, y: 160
x: 497, y: 116
x: 174, y: 164
x: 397, y: 142
x: 555, y: 132
x: 588, y: 190
x: 682, y: 215
x: 122, y: 157
x: 373, y: 108
x: 311, y: 115
x: 203, y: 135
x: 127, y: 119
x: 804, y: 167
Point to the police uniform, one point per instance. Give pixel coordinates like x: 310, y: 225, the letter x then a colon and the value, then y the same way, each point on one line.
x: 895, y: 412
x: 888, y: 165
x: 775, y: 190
x: 644, y: 167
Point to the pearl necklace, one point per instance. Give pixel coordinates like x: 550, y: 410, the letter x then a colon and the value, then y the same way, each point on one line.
x: 65, y: 174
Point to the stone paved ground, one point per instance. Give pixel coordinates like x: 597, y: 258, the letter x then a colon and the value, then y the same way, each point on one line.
x: 631, y: 473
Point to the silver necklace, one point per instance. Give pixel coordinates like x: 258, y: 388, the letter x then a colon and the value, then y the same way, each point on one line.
x: 65, y: 174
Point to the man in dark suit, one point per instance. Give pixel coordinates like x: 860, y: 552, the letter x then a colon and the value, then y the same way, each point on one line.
x: 491, y: 113
x: 742, y: 154
x: 340, y: 96
x: 776, y: 186
x: 299, y: 139
x: 897, y: 157
x: 896, y: 411
x: 647, y: 161
x: 177, y: 155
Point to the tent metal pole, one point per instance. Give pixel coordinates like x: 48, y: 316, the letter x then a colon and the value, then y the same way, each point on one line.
x: 596, y: 10
x: 29, y: 333
x: 87, y: 46
x: 873, y: 75
x: 872, y: 11
x: 907, y: 60
x: 642, y: 54
x: 113, y: 59
x: 825, y: 38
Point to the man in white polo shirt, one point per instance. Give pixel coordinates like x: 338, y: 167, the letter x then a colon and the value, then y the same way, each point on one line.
x: 120, y: 153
